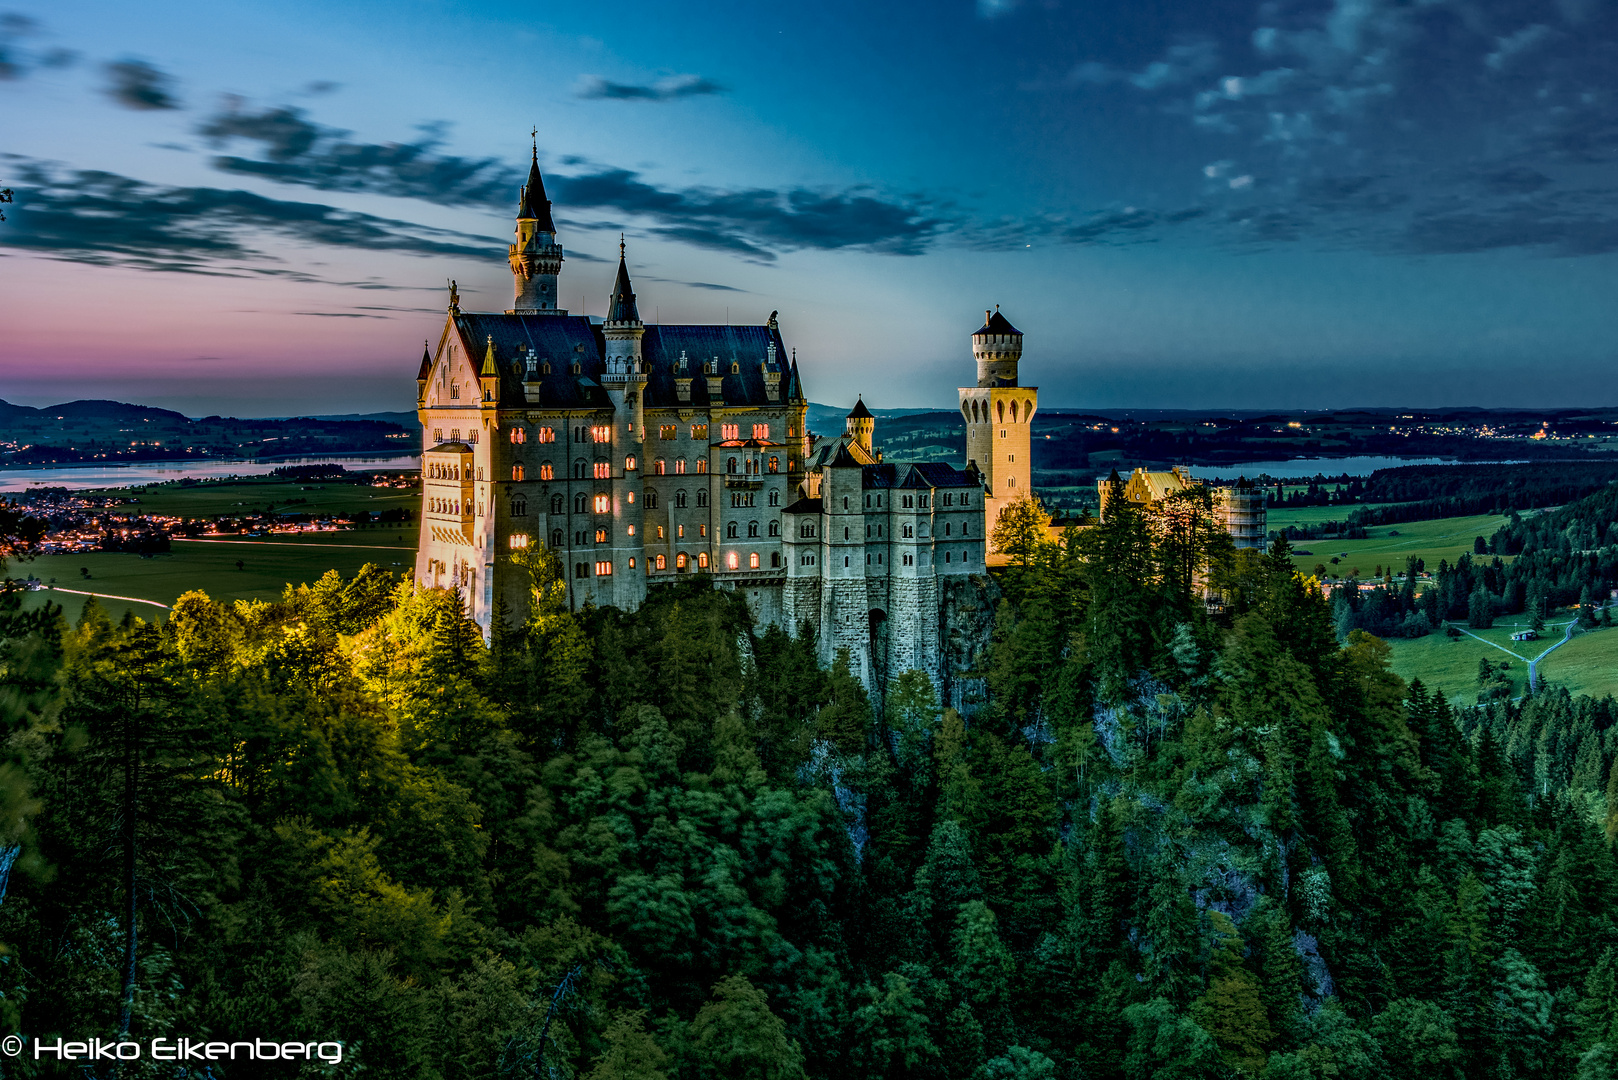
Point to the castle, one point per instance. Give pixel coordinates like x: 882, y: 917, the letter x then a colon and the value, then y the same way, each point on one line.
x: 640, y: 453
x: 1239, y: 509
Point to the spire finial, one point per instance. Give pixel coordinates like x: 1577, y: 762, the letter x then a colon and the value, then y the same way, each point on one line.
x: 534, y: 134
x: 620, y: 247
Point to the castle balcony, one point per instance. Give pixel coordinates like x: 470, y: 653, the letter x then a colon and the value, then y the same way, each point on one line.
x: 743, y: 481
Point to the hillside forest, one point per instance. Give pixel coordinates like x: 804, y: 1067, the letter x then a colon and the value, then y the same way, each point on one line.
x: 672, y: 845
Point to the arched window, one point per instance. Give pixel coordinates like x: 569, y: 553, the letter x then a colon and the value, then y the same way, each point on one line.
x: 601, y: 536
x: 517, y: 472
x: 679, y: 498
x: 775, y: 498
x: 775, y: 528
x: 730, y: 466
x: 733, y: 560
x: 752, y: 528
x: 519, y: 507
x: 702, y: 560
x: 775, y: 463
x: 775, y: 559
x: 657, y: 467
x: 603, y: 470
x: 581, y: 503
x: 651, y: 500
x: 556, y: 538
x: 518, y: 436
x: 679, y: 467
x: 580, y: 468
x: 547, y: 471
x: 556, y: 504
x: 730, y: 530
x: 752, y: 561
x: 603, y: 504
x: 629, y: 463
x: 661, y: 563
x: 702, y: 496
x: 679, y: 561
x: 702, y: 465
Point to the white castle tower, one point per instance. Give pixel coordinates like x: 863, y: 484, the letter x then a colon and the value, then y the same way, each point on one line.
x: 536, y: 257
x: 998, y: 413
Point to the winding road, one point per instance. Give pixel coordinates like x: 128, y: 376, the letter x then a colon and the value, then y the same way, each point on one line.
x: 1532, y: 662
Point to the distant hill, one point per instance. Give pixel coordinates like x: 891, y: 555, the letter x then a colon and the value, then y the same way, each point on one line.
x: 93, y: 409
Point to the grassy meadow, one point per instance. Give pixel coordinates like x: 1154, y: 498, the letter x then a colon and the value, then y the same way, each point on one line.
x: 214, y: 497
x: 1389, y: 545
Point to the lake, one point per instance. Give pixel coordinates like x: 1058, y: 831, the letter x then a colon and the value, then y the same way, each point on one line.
x: 1303, y: 468
x: 79, y: 479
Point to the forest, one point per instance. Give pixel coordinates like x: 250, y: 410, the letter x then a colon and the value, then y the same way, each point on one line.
x: 672, y: 845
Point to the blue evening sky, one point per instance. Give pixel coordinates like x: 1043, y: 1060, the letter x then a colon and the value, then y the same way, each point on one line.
x: 253, y: 207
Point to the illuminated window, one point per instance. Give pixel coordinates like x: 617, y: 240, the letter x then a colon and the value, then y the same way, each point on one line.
x: 679, y: 467
x: 661, y: 563
x: 667, y: 431
x: 730, y: 431
x: 603, y: 569
x: 603, y: 470
x: 630, y: 529
x: 632, y: 564
x: 761, y: 432
x: 702, y: 465
x: 547, y: 471
x: 775, y: 464
x: 518, y: 436
x: 658, y: 467
x: 752, y: 561
x: 699, y: 431
x: 601, y: 433
x: 601, y: 536
x: 519, y: 540
x: 546, y: 434
x: 702, y: 560
x: 629, y: 463
x: 679, y: 561
x: 732, y: 561
x: 516, y: 472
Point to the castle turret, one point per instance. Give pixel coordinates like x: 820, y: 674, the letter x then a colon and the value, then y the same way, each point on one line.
x: 624, y: 379
x: 861, y: 426
x: 998, y: 412
x: 536, y: 257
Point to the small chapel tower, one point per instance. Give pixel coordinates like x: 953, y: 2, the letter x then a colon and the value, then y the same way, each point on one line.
x: 536, y: 257
x: 998, y: 413
x: 624, y: 380
x: 860, y: 426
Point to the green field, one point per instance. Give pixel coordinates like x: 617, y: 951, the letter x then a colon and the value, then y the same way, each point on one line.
x: 1301, y: 516
x: 1440, y: 538
x: 1586, y: 665
x: 214, y: 497
x: 269, y: 564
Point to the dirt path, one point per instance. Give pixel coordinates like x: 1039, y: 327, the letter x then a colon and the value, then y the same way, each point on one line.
x: 103, y: 596
x: 1533, y: 665
x: 288, y: 543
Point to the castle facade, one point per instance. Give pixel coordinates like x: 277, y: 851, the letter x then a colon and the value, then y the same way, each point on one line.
x: 642, y: 453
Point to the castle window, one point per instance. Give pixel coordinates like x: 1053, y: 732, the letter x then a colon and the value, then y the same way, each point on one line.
x: 545, y: 368
x: 547, y: 471
x: 519, y: 507
x: 547, y: 434
x: 775, y: 528
x: 910, y: 560
x: 963, y: 528
x: 735, y: 368
x: 629, y: 463
x: 660, y: 563
x: 730, y: 431
x: 601, y: 536
x: 752, y: 528
x: 581, y: 569
x: 518, y: 541
x: 518, y: 436
x: 679, y: 467
x: 679, y: 561
x: 660, y: 532
x: 963, y: 498
x: 657, y: 467
x: 1011, y: 481
x: 867, y: 502
x: 651, y: 500
x: 946, y: 528
x: 775, y: 559
x: 699, y: 431
x: 603, y: 569
x: 949, y: 500
x: 601, y: 433
x: 679, y: 499
x: 1002, y: 430
x: 909, y: 532
x: 845, y: 560
x: 733, y: 561
x: 845, y: 502
x: 472, y: 436
x: 455, y: 434
x: 762, y: 433
x: 581, y: 503
x: 1011, y: 457
x: 775, y: 464
x: 702, y: 496
x: 632, y: 562
x: 603, y: 504
x: 908, y: 499
x: 556, y: 538
x: 752, y: 561
x: 603, y: 470
x: 730, y: 530
x: 947, y: 558
x: 775, y: 498
x: 702, y: 465
x: 578, y: 369
x: 579, y: 468
x: 667, y: 431
x: 516, y: 472
x: 556, y: 504
x: 702, y: 560
x: 730, y: 466
x: 454, y: 390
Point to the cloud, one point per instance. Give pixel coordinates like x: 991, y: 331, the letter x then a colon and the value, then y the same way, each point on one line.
x: 1514, y: 45
x: 135, y: 84
x: 17, y: 57
x: 673, y: 88
x: 1180, y: 64
x: 994, y: 9
x: 106, y: 219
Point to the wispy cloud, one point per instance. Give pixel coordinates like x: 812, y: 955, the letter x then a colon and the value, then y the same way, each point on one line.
x: 135, y: 84
x: 673, y: 88
x: 18, y: 53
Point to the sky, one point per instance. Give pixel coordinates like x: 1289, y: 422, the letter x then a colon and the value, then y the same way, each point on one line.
x: 254, y: 208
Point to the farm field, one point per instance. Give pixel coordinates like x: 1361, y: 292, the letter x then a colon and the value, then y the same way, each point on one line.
x: 1313, y: 515
x: 215, y: 497
x: 1389, y: 545
x: 1586, y: 665
x: 268, y: 566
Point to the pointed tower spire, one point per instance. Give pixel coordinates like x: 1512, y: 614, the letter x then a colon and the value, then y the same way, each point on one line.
x: 621, y: 308
x: 489, y: 366
x: 426, y: 362
x: 534, y: 206
x: 536, y: 257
